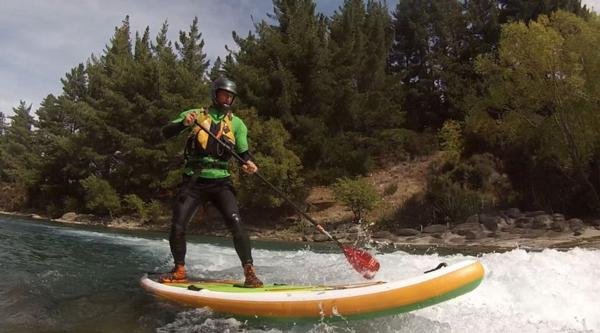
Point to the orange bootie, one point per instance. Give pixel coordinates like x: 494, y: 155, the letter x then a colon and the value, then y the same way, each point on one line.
x: 176, y: 275
x: 251, y: 280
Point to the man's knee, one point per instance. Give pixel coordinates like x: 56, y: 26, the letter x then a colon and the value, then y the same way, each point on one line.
x: 235, y: 225
x: 177, y: 231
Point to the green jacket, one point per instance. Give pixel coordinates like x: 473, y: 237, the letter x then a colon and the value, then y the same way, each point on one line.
x: 204, y: 166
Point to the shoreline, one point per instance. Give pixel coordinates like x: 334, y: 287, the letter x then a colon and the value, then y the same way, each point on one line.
x: 440, y: 242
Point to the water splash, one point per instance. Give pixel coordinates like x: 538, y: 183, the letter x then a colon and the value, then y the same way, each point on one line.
x: 66, y: 279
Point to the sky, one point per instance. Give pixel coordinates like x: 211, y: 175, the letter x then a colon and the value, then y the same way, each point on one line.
x: 41, y: 40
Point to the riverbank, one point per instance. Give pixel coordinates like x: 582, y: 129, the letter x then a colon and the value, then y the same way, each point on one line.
x: 468, y: 237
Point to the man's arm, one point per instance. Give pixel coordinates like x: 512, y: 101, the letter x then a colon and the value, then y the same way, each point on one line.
x: 175, y: 127
x: 241, y: 146
x: 172, y: 129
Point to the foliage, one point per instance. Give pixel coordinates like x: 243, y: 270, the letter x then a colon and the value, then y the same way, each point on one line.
x: 100, y: 196
x: 13, y: 197
x: 154, y: 211
x: 19, y: 159
x: 332, y: 96
x: 134, y: 204
x: 360, y: 196
x: 542, y: 94
x: 277, y: 163
x: 451, y: 140
x: 457, y: 189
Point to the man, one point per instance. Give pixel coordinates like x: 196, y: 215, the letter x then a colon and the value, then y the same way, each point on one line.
x: 206, y: 177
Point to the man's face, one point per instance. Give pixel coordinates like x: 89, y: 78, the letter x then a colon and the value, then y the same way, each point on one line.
x: 225, y: 97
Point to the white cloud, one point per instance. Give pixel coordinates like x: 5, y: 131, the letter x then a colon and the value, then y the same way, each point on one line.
x: 42, y: 40
x: 592, y: 4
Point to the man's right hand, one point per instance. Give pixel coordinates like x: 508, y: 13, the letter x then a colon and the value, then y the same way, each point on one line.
x: 189, y: 119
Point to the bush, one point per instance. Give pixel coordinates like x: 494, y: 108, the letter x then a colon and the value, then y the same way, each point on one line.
x: 275, y: 160
x: 360, y: 196
x: 100, y: 196
x: 456, y: 190
x: 451, y: 139
x: 444, y: 202
x: 345, y: 155
x: 399, y: 144
x: 134, y: 204
x: 71, y: 204
x: 13, y: 197
x: 154, y: 211
x: 452, y: 203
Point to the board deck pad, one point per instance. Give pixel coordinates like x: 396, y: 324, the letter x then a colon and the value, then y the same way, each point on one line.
x: 296, y: 301
x: 237, y: 286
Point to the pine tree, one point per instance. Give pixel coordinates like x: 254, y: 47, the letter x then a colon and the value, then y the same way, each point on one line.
x: 190, y: 50
x: 217, y: 70
x: 282, y: 69
x: 527, y: 10
x: 2, y: 124
x: 348, y: 53
x: 430, y: 55
x: 18, y: 150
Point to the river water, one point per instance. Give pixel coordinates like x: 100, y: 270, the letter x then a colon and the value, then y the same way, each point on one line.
x: 59, y: 278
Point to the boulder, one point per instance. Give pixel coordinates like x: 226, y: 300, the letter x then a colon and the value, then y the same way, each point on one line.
x: 320, y: 238
x: 533, y: 233
x: 70, y: 216
x: 473, y: 219
x: 595, y: 223
x: 576, y: 225
x: 535, y: 213
x: 383, y: 234
x: 557, y: 216
x: 524, y: 222
x: 407, y: 232
x: 473, y: 235
x: 434, y: 229
x: 463, y: 228
x: 490, y: 222
x: 560, y: 225
x: 513, y: 213
x: 542, y: 222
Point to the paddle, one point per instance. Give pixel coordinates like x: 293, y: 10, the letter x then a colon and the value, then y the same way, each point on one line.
x: 360, y: 260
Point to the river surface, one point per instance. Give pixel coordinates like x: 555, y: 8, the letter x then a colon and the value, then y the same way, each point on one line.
x: 63, y: 278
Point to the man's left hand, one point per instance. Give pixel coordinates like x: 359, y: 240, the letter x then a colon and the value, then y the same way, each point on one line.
x: 249, y: 167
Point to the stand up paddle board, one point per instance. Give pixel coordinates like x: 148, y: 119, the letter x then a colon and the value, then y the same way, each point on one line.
x: 360, y: 300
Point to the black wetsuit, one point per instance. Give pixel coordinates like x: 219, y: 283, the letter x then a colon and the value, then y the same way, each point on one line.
x: 194, y: 192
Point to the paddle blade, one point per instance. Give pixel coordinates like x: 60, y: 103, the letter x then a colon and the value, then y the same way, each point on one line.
x: 362, y: 261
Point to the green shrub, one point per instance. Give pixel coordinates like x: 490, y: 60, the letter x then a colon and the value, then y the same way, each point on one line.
x: 100, y: 197
x: 452, y: 203
x: 13, y: 197
x: 269, y: 142
x: 414, y: 212
x: 134, y: 204
x: 154, y: 211
x: 451, y: 139
x: 71, y: 204
x: 345, y: 155
x: 360, y: 196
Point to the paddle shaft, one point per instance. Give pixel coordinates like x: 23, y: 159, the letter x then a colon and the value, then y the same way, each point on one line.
x: 273, y: 187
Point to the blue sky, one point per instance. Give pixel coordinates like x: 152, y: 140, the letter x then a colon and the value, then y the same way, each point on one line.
x: 41, y: 40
